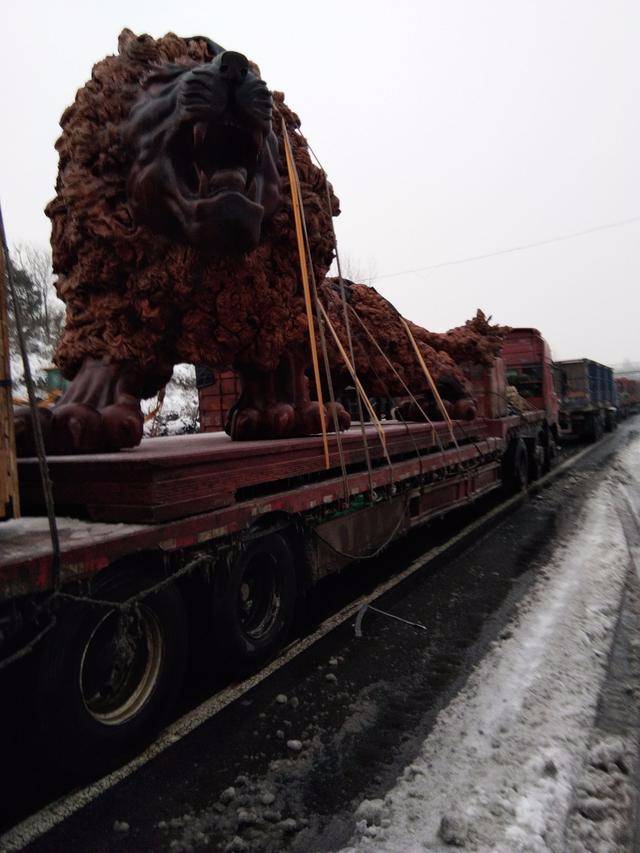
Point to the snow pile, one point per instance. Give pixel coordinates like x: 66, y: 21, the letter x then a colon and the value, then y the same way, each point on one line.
x: 499, y: 769
x: 180, y: 411
x: 603, y: 808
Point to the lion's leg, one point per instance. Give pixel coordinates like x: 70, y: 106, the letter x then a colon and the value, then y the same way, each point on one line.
x: 278, y: 404
x: 262, y: 410
x: 308, y: 411
x: 457, y: 402
x: 99, y: 412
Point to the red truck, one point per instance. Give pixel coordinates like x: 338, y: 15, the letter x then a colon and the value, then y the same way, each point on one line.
x: 532, y: 372
x: 195, y: 540
x: 628, y: 396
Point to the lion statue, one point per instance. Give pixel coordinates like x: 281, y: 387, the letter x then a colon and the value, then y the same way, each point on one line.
x: 174, y: 241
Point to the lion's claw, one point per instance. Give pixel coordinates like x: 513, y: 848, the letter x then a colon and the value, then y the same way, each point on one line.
x: 283, y: 420
x: 337, y: 410
x: 79, y: 428
x: 122, y: 425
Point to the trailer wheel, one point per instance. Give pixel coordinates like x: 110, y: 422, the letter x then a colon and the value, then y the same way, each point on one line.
x: 107, y: 679
x: 595, y: 430
x: 515, y: 467
x: 256, y: 605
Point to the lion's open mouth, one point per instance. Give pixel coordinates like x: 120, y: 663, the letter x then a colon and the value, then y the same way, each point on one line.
x: 217, y: 158
x: 205, y: 157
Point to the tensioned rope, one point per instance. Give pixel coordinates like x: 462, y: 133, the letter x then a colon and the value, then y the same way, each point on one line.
x: 363, y: 431
x: 434, y: 432
x: 415, y: 346
x: 432, y: 384
x: 295, y: 186
x: 349, y: 363
x: 305, y: 286
x: 358, y: 384
x: 345, y: 315
x: 407, y: 428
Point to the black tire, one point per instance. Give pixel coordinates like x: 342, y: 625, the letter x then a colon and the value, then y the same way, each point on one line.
x: 256, y: 600
x: 515, y: 467
x: 106, y: 683
x: 595, y: 430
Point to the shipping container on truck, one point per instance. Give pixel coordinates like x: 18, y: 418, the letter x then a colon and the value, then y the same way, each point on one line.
x: 589, y: 399
x: 200, y: 545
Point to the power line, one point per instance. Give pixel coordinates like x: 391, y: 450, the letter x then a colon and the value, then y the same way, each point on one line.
x: 521, y: 248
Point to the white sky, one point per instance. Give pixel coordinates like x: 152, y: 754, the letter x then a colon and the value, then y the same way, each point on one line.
x: 449, y: 129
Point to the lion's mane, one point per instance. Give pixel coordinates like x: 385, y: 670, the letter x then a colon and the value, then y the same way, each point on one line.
x: 133, y: 295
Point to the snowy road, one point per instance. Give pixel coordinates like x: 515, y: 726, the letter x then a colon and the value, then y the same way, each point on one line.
x: 501, y: 767
x: 508, y: 725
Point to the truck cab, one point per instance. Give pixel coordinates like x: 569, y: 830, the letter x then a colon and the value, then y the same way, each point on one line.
x: 531, y: 371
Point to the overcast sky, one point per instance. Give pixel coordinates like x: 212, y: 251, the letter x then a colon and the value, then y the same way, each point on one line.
x: 449, y: 129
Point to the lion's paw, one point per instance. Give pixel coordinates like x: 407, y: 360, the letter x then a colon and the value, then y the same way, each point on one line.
x: 79, y: 428
x: 309, y: 418
x: 23, y: 427
x: 337, y: 410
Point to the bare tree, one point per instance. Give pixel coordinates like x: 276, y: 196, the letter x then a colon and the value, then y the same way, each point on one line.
x: 45, y: 310
x: 362, y: 271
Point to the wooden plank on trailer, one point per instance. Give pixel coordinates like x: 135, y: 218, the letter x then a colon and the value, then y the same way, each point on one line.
x: 176, y: 476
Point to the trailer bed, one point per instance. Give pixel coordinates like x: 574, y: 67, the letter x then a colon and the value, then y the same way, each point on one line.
x: 177, y: 476
x: 254, y: 480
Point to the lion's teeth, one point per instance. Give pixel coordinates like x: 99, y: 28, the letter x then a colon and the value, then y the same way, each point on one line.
x: 228, y: 179
x: 203, y: 181
x: 199, y: 133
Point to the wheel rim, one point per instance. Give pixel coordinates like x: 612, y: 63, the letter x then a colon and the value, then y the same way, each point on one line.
x: 259, y: 598
x: 121, y: 664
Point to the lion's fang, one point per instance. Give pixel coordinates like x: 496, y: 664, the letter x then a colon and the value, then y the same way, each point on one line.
x: 199, y: 133
x: 203, y: 181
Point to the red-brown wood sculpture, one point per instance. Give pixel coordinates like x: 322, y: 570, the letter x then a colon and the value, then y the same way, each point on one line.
x: 173, y: 241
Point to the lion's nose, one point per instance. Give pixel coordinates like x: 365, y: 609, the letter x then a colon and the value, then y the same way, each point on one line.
x: 233, y: 66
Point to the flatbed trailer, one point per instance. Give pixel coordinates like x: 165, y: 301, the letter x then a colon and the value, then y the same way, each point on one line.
x: 425, y: 466
x: 197, y: 539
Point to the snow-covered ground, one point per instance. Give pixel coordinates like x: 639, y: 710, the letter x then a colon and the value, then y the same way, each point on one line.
x: 39, y: 360
x: 179, y: 412
x: 509, y: 758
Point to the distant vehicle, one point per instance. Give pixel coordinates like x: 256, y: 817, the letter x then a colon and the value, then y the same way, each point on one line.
x: 589, y: 399
x: 628, y: 396
x: 531, y: 371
